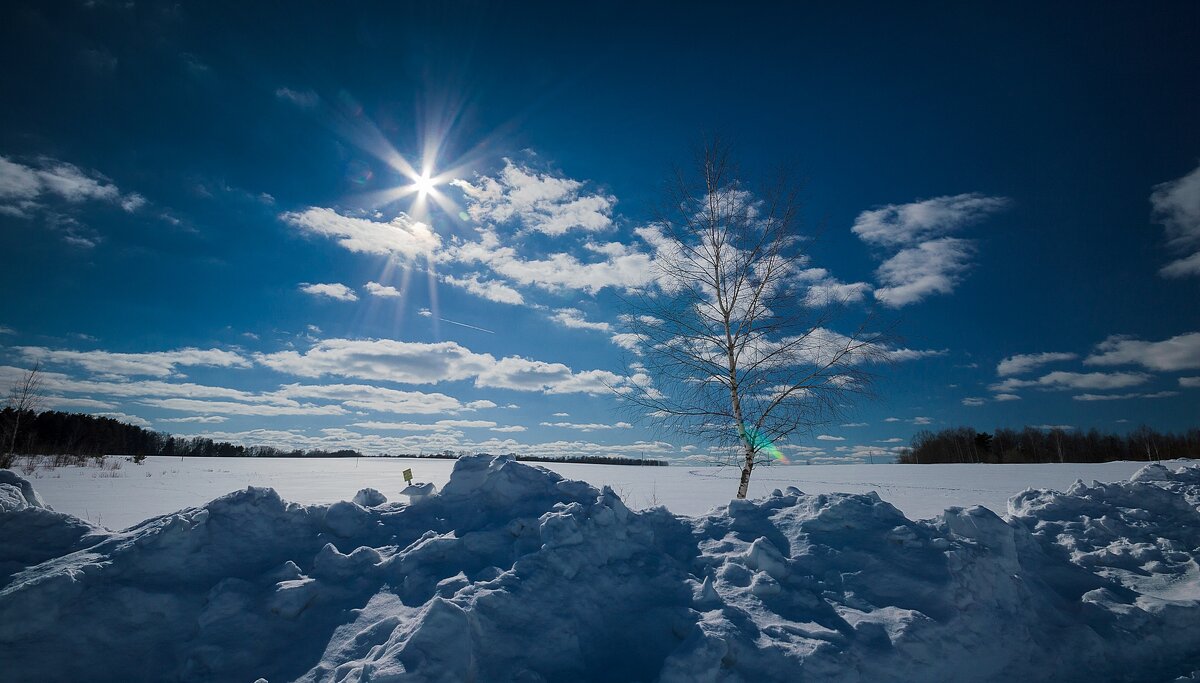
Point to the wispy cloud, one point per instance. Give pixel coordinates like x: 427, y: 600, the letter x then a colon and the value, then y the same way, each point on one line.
x: 1119, y: 397
x: 152, y: 363
x: 492, y: 290
x: 422, y: 363
x: 927, y: 261
x: 1176, y: 205
x: 305, y: 99
x: 1022, y: 363
x: 1085, y: 381
x: 400, y: 236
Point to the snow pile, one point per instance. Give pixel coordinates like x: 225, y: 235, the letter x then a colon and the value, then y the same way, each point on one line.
x: 512, y: 573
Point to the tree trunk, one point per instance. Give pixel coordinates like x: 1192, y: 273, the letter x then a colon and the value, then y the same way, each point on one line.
x: 747, y: 467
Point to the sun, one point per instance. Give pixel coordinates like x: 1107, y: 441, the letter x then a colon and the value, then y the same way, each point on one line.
x: 424, y: 184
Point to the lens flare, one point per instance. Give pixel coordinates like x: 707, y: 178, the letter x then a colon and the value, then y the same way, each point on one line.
x: 762, y: 444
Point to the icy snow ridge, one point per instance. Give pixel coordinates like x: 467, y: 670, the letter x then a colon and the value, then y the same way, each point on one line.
x: 511, y: 573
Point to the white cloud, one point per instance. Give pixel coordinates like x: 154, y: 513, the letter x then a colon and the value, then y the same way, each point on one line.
x: 926, y: 262
x: 535, y: 201
x: 492, y: 290
x: 188, y: 405
x: 588, y: 427
x: 1006, y: 397
x: 827, y: 290
x: 922, y: 421
x: 894, y: 439
x: 933, y: 267
x: 208, y: 419
x: 1084, y: 381
x: 1181, y: 352
x: 376, y: 289
x: 973, y: 401
x: 332, y: 290
x: 896, y: 225
x: 855, y: 424
x: 59, y: 402
x: 509, y: 428
x: 1022, y: 363
x: 153, y: 363
x: 439, y: 426
x: 891, y: 419
x: 1050, y: 428
x: 1117, y: 397
x: 622, y: 266
x: 901, y: 355
x: 421, y: 363
x: 305, y: 99
x: 127, y: 418
x: 24, y: 188
x: 1189, y: 382
x: 573, y: 318
x: 401, y: 236
x: 1176, y: 205
x: 827, y: 437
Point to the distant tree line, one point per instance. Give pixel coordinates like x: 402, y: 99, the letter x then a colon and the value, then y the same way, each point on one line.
x: 57, y: 433
x: 585, y: 459
x: 1030, y: 445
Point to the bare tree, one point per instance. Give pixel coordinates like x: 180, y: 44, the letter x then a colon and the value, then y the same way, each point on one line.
x: 731, y: 342
x: 25, y: 396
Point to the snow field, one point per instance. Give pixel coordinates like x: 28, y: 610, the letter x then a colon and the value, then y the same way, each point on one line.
x: 512, y: 573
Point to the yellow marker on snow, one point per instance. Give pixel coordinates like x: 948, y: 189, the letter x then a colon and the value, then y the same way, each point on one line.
x: 408, y: 476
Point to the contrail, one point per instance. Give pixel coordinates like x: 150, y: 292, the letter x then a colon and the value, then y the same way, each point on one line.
x: 453, y: 322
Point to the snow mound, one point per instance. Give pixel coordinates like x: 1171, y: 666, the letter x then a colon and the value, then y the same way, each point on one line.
x: 511, y: 573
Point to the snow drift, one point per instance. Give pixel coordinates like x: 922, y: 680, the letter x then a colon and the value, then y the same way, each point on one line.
x: 511, y: 573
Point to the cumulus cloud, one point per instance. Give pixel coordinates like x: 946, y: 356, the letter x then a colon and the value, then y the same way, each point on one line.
x: 152, y: 363
x: 573, y: 318
x: 536, y: 202
x: 1022, y: 363
x: 429, y: 363
x: 926, y: 261
x: 827, y: 437
x: 332, y: 290
x: 376, y: 289
x: 401, y: 236
x: 620, y: 265
x: 1176, y: 206
x: 1181, y: 352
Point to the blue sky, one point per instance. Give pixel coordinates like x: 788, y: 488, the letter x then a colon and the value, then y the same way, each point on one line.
x: 208, y: 226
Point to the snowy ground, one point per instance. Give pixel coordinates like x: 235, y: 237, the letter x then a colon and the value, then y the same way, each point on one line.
x: 512, y: 573
x: 126, y: 496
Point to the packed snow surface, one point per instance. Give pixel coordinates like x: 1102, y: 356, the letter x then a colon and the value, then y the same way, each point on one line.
x: 123, y: 497
x: 510, y: 572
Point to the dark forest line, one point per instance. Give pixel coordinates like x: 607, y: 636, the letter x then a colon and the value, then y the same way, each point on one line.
x: 1030, y: 445
x: 78, y: 434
